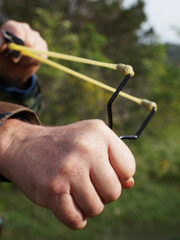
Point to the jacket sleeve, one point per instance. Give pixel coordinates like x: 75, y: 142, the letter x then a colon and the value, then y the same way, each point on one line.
x: 20, y: 103
x: 29, y: 97
x: 9, y: 110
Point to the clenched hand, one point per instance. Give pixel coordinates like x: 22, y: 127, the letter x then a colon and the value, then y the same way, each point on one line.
x: 73, y: 170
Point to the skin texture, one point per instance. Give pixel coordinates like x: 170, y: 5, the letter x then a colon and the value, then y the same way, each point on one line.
x: 17, y: 73
x: 73, y: 170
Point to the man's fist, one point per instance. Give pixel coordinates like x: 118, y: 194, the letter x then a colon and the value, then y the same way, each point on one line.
x: 73, y: 170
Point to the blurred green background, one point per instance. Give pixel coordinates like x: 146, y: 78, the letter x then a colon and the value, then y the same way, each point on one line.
x: 104, y: 30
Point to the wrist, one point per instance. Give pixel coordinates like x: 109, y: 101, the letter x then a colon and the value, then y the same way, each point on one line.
x: 23, y: 91
x: 13, y: 133
x: 30, y: 96
x: 16, y: 74
x: 10, y: 77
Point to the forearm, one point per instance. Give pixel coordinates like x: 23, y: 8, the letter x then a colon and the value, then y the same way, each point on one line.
x: 7, y: 112
x: 14, y: 134
x: 9, y: 142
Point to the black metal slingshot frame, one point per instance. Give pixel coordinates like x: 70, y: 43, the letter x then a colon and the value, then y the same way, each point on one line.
x: 110, y: 117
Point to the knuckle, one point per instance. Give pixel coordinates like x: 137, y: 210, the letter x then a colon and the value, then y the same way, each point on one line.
x: 112, y: 195
x: 95, y: 124
x: 36, y: 33
x: 45, y: 45
x: 69, y: 166
x: 73, y: 219
x: 131, y: 169
x: 99, y: 124
x: 26, y: 25
x: 95, y: 210
x: 54, y: 188
x: 127, y: 166
x: 66, y: 214
x: 76, y: 223
x: 8, y: 22
x: 72, y: 169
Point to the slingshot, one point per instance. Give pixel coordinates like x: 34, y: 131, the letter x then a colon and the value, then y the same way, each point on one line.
x: 15, y: 46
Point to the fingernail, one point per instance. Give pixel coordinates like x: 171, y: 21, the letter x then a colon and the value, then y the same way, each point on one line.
x: 132, y: 179
x: 131, y: 182
x: 128, y: 183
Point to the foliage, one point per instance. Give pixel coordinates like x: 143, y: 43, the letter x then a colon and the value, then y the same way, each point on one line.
x: 104, y: 31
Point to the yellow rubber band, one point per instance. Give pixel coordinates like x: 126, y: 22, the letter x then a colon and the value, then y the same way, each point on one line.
x: 125, y: 69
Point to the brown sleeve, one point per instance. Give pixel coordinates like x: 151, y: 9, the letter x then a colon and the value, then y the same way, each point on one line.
x: 8, y: 110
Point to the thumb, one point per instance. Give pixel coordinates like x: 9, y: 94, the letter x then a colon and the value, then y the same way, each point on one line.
x: 128, y: 183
